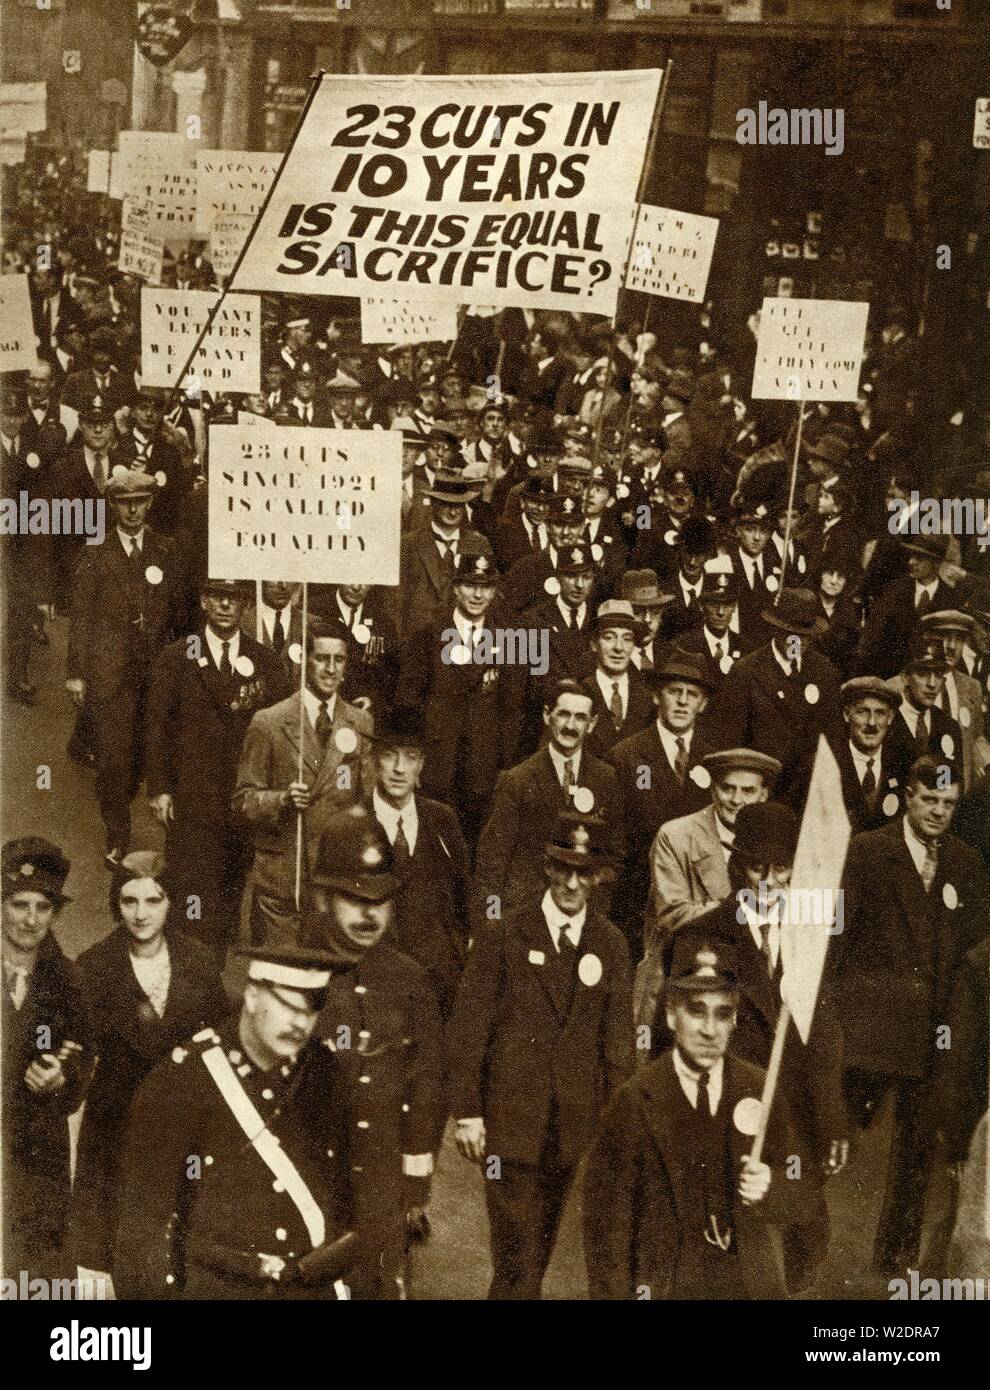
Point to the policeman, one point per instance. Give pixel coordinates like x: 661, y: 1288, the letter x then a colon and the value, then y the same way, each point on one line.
x: 382, y: 1020
x: 236, y: 1172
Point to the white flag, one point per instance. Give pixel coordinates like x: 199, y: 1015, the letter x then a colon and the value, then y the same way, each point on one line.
x: 813, y: 912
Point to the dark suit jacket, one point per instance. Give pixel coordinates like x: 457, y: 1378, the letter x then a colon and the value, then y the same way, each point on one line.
x: 900, y: 948
x: 130, y: 1038
x: 425, y: 587
x: 518, y: 1047
x: 121, y: 616
x: 80, y: 388
x: 758, y: 707
x: 541, y: 387
x: 528, y: 799
x: 636, y: 1199
x: 811, y: 1074
x: 431, y: 922
x: 472, y: 714
x: 639, y: 713
x: 961, y: 1070
x: 944, y: 741
x: 168, y: 507
x: 373, y: 666
x: 888, y: 801
x: 511, y: 543
x: 645, y: 809
x: 35, y: 1128
x: 196, y: 722
x: 883, y: 644
x: 569, y: 655
x: 69, y: 477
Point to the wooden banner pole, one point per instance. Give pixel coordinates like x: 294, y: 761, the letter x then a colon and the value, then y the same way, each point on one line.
x: 790, y: 503
x: 302, y: 737
x: 770, y: 1081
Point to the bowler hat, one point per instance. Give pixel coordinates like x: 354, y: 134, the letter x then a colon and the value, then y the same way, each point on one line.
x: 403, y: 728
x: 766, y: 832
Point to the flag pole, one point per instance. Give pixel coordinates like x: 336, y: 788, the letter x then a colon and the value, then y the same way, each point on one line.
x: 302, y: 736
x: 259, y: 627
x: 640, y: 191
x: 770, y: 1081
x: 315, y: 81
x: 790, y: 503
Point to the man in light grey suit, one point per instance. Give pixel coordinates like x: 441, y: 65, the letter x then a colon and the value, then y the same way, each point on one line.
x: 270, y: 795
x: 689, y: 859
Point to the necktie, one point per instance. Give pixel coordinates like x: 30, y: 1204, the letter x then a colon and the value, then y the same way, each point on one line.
x: 324, y: 724
x: 930, y: 866
x: 615, y: 705
x: 720, y: 650
x: 18, y: 985
x: 100, y: 472
x: 568, y: 774
x: 704, y: 1095
x: 765, y: 946
x: 278, y: 633
x: 869, y: 784
x: 135, y: 552
x: 400, y: 845
x: 226, y: 670
x: 921, y: 735
x: 924, y: 602
x: 681, y: 761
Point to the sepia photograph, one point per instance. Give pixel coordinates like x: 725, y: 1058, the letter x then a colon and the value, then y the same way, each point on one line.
x: 494, y: 741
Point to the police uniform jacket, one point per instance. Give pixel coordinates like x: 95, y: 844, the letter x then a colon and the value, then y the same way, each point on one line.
x: 270, y: 761
x: 129, y: 1038
x: 382, y: 1022
x: 525, y: 1042
x: 637, y: 1201
x: 124, y: 610
x: 199, y: 1237
x: 900, y: 949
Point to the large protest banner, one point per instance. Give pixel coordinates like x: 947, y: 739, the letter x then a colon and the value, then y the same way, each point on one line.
x: 981, y: 124
x: 229, y: 357
x: 509, y: 190
x: 151, y: 152
x: 305, y: 504
x: 398, y: 321
x: 809, y: 350
x: 18, y: 345
x: 671, y: 253
x: 231, y: 183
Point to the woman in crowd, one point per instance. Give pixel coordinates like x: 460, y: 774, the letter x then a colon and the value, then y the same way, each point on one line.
x: 148, y: 987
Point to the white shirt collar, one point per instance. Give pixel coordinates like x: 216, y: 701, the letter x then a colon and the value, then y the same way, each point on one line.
x: 557, y: 922
x: 388, y: 817
x: 689, y: 591
x: 928, y: 589
x: 916, y: 848
x: 558, y: 760
x: 349, y: 615
x: 669, y: 741
x: 128, y: 541
x: 268, y: 616
x: 912, y: 715
x: 605, y: 683
x: 574, y: 617
x: 688, y: 1078
x: 753, y: 565
x: 862, y: 761
x: 754, y: 921
x: 215, y: 645
x: 313, y: 705
x: 782, y: 661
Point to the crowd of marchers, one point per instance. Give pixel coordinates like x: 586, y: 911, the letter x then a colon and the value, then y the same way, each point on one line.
x: 402, y: 890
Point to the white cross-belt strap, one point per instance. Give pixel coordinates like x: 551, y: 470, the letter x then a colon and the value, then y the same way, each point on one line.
x: 265, y: 1145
